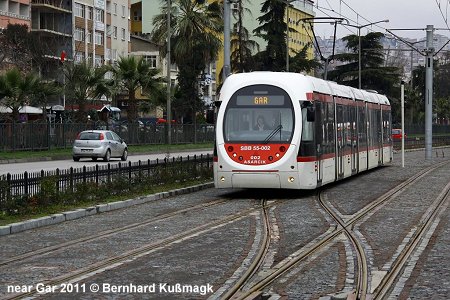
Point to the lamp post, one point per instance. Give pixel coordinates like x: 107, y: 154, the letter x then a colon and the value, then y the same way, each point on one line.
x: 168, y: 115
x: 359, y: 45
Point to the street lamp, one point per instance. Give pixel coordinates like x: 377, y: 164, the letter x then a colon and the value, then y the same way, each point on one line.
x: 359, y: 45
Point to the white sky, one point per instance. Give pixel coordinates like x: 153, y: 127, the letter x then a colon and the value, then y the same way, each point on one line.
x: 401, y: 14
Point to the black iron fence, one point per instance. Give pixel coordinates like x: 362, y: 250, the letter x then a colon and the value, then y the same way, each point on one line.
x: 45, y: 136
x: 21, y: 192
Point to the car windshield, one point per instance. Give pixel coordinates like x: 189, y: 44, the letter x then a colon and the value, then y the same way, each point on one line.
x: 89, y: 136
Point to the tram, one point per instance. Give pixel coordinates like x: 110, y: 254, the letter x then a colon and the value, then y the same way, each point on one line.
x: 292, y: 131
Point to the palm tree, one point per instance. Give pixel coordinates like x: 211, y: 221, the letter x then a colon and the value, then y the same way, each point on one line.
x: 131, y: 74
x: 17, y: 89
x: 194, y: 40
x: 84, y: 83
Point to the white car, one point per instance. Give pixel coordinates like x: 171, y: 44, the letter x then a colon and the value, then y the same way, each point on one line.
x: 96, y: 144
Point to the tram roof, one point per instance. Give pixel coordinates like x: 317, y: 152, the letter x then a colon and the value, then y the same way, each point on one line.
x: 309, y: 83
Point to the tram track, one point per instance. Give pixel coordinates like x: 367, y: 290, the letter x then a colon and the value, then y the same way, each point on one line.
x: 107, y: 233
x: 127, y: 257
x: 432, y: 214
x: 258, y: 259
x: 344, y: 227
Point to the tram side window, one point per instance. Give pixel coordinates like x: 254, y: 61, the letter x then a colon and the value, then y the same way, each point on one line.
x: 319, y: 128
x: 340, y: 125
x: 330, y: 128
x: 307, y: 146
x: 386, y: 127
x: 362, y: 127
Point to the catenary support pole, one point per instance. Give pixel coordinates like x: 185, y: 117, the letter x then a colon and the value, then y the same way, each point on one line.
x: 169, y: 117
x: 429, y: 94
x: 402, y: 99
x: 226, y: 38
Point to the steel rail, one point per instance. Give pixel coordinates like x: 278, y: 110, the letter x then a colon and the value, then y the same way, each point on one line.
x: 363, y: 269
x: 106, y: 233
x: 389, y: 279
x: 109, y: 263
x: 259, y: 258
x: 332, y: 235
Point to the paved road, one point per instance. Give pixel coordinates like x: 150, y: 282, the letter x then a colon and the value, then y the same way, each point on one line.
x: 18, y: 168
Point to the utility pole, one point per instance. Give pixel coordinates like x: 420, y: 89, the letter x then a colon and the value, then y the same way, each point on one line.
x: 226, y: 38
x: 429, y: 94
x: 169, y: 117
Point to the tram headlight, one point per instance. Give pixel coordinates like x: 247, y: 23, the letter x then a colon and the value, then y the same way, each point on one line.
x: 222, y: 179
x: 291, y: 179
x: 282, y: 148
x: 230, y: 148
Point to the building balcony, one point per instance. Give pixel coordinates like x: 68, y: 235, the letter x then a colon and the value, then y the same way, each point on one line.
x: 52, y: 5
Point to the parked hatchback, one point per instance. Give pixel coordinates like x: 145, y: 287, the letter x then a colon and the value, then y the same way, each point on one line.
x: 96, y: 144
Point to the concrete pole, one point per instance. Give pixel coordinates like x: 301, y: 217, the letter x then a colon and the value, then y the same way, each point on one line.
x: 429, y: 94
x: 169, y: 117
x: 402, y: 99
x: 359, y: 57
x: 287, y: 37
x: 226, y: 38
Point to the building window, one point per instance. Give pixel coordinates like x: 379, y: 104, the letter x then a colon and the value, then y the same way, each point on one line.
x: 115, y: 8
x: 79, y: 10
x: 123, y: 11
x: 99, y: 15
x: 79, y: 57
x: 123, y: 34
x: 78, y: 34
x: 98, y: 60
x: 152, y: 60
x: 115, y: 32
x: 98, y: 38
x: 89, y: 37
x: 90, y: 12
x: 136, y: 17
x: 114, y: 54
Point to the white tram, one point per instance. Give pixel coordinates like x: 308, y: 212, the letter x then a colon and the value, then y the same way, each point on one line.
x: 291, y: 131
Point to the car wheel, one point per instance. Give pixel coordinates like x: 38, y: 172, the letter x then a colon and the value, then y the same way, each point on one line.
x: 124, y: 155
x: 76, y: 158
x: 94, y: 159
x: 107, y: 155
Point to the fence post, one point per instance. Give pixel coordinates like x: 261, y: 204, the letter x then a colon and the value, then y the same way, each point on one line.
x: 57, y: 180
x: 129, y: 172
x: 84, y: 174
x: 109, y: 172
x: 148, y: 166
x: 96, y: 174
x: 25, y: 175
x: 8, y: 182
x: 71, y: 179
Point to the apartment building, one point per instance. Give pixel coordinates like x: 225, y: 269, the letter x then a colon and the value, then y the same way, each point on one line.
x: 14, y: 12
x: 101, y: 30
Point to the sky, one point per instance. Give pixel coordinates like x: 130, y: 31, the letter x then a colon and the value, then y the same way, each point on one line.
x: 415, y: 14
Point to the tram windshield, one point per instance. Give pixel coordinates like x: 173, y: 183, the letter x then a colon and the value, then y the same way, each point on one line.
x: 259, y: 114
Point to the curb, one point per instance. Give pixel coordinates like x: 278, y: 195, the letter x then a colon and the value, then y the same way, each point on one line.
x: 97, y: 209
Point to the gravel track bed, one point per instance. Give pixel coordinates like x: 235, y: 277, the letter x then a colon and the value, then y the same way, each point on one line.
x: 30, y: 240
x: 430, y: 277
x: 78, y: 256
x: 321, y: 276
x: 299, y: 222
x: 198, y: 261
x: 387, y: 227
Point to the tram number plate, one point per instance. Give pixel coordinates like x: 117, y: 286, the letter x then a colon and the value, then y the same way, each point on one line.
x: 249, y: 148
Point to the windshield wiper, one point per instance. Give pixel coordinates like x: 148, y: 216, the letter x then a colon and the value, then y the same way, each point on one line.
x: 271, y: 135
